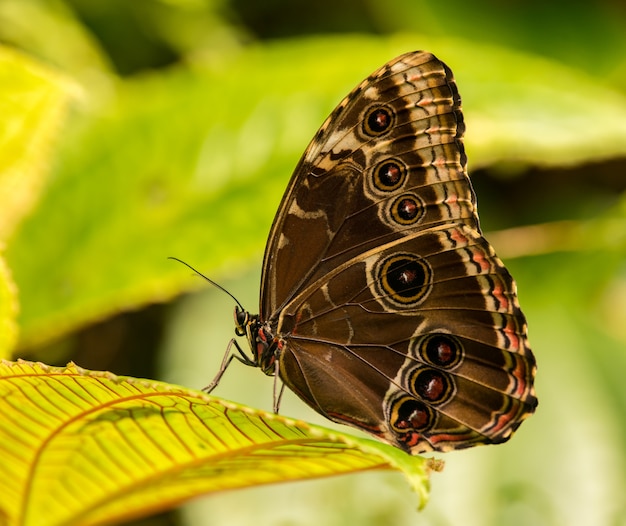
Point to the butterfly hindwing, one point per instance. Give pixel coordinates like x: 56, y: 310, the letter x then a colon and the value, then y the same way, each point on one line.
x: 371, y: 341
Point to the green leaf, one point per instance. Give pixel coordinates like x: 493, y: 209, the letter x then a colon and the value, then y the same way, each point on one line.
x: 589, y: 35
x: 8, y: 309
x: 527, y: 110
x: 192, y: 162
x: 32, y: 104
x: 81, y: 447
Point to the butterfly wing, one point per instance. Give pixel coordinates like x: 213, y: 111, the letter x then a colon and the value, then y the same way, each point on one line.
x: 374, y: 172
x: 426, y: 348
x: 393, y: 312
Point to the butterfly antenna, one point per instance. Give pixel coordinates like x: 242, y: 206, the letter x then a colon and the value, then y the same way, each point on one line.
x: 209, y: 280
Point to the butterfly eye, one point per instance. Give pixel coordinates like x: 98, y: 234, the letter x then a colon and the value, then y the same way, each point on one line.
x: 241, y: 319
x: 378, y: 120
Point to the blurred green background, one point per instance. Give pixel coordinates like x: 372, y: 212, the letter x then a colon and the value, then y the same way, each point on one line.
x: 187, y: 118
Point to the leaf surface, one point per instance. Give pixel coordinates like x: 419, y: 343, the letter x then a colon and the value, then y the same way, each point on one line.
x: 33, y: 100
x: 8, y: 309
x: 82, y: 447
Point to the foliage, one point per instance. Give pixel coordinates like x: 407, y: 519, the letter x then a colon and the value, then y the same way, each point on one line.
x: 91, y: 448
x: 186, y: 120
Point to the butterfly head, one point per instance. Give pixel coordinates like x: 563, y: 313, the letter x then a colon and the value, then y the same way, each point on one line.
x: 242, y: 321
x: 264, y: 346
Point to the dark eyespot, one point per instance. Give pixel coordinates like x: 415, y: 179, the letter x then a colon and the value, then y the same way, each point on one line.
x: 378, y: 120
x: 389, y: 175
x: 409, y: 414
x: 406, y: 278
x: 432, y: 385
x: 407, y: 209
x: 441, y: 350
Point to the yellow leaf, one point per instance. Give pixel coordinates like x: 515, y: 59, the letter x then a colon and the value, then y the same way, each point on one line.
x: 81, y: 447
x: 8, y: 309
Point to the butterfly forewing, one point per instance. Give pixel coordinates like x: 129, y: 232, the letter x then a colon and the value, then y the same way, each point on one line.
x: 356, y: 188
x: 385, y: 306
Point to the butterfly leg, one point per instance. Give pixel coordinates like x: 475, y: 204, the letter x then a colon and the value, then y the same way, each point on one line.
x: 228, y: 357
x: 278, y: 391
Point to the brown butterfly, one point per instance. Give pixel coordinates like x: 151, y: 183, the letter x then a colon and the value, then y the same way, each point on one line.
x: 382, y: 305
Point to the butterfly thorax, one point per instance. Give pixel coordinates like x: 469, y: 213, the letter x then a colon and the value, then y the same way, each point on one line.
x: 263, y: 344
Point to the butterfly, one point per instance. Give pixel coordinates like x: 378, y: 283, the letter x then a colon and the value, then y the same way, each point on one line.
x: 382, y: 305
